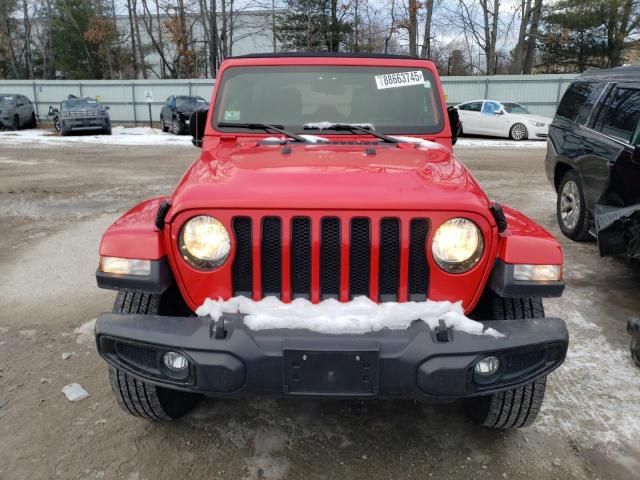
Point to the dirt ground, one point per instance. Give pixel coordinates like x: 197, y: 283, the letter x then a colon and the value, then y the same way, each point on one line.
x: 54, y: 205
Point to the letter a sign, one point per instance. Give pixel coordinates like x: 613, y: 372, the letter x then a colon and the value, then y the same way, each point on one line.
x: 148, y: 96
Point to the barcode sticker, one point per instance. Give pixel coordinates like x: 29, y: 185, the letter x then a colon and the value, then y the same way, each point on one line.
x: 400, y: 79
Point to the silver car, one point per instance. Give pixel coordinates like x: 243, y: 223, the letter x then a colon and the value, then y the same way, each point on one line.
x: 16, y: 111
x: 80, y: 114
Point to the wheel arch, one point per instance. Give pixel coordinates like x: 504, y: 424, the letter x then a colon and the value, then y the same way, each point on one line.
x: 560, y: 171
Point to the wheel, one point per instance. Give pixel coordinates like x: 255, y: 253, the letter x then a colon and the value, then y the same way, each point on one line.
x: 175, y: 126
x: 56, y: 124
x: 165, y: 128
x: 518, y: 407
x: 107, y: 130
x: 635, y: 348
x: 460, y: 131
x: 518, y: 132
x: 573, y: 217
x: 142, y: 399
x: 16, y: 123
x: 33, y: 123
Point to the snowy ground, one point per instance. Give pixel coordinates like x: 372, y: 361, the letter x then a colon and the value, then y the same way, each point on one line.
x: 130, y: 136
x: 54, y: 205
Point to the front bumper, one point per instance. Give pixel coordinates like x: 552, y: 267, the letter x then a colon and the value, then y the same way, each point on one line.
x: 227, y: 359
x: 77, y: 124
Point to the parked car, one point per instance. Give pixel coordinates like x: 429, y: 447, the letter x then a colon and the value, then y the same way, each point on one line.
x: 284, y: 263
x: 177, y: 110
x: 80, y: 115
x: 593, y: 160
x: 16, y: 111
x: 501, y: 119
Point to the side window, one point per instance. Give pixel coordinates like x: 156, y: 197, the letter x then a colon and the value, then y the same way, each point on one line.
x: 19, y: 101
x: 490, y: 108
x: 464, y: 107
x: 618, y: 117
x: 578, y: 101
x: 472, y: 107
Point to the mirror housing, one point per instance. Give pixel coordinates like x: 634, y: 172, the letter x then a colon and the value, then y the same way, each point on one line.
x: 52, y: 111
x: 107, y: 107
x: 197, y: 124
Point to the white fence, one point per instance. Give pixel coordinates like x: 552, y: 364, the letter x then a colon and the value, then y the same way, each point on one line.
x: 541, y: 93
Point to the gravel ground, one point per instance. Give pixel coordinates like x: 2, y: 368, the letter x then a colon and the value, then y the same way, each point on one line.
x: 54, y: 204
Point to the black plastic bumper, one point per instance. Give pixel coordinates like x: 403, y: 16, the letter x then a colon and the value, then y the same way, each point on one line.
x: 412, y: 363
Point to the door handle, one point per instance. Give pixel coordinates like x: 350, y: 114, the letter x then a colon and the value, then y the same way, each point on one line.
x: 587, y: 148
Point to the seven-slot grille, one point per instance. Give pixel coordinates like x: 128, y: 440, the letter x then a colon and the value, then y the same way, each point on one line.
x: 343, y: 257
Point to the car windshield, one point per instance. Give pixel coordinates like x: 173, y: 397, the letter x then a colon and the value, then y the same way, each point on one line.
x: 393, y: 99
x: 515, y: 108
x: 80, y: 103
x: 190, y: 102
x: 7, y: 99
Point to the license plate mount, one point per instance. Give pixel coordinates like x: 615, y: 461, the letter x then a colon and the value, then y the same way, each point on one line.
x: 331, y: 373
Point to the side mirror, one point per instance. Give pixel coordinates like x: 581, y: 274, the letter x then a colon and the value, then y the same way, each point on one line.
x: 107, y: 107
x: 197, y: 124
x: 52, y: 111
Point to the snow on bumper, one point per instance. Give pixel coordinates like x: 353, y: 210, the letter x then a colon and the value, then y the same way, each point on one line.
x: 358, y: 316
x: 231, y: 353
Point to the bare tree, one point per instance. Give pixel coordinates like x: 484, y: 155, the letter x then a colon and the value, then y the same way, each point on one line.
x: 425, y: 49
x: 523, y: 52
x: 481, y: 26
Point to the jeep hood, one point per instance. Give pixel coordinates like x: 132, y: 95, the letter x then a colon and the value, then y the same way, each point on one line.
x: 329, y: 177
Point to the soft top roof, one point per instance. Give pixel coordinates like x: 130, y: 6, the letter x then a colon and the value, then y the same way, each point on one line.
x: 327, y: 54
x: 627, y: 73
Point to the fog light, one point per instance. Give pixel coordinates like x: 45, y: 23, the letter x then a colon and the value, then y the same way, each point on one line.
x: 175, y: 361
x: 487, y: 366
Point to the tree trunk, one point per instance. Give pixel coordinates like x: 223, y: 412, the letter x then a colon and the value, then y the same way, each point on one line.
x: 134, y: 49
x: 532, y: 37
x: 519, y: 49
x: 413, y: 27
x: 27, y: 36
x: 425, y: 50
x: 142, y: 64
x: 213, y: 52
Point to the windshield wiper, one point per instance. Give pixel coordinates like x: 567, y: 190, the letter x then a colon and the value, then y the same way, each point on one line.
x: 264, y: 126
x: 350, y: 127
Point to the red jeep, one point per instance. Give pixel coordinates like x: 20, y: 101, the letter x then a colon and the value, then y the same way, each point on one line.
x: 327, y: 243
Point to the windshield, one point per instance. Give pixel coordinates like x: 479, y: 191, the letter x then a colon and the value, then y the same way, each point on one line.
x: 190, y: 102
x: 393, y: 99
x: 80, y: 103
x: 514, y: 108
x: 7, y: 99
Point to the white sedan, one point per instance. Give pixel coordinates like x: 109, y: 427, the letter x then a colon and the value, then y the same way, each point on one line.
x: 501, y: 119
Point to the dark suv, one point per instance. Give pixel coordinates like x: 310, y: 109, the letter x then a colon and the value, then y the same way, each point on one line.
x: 593, y: 159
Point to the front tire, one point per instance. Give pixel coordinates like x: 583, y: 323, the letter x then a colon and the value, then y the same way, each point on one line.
x: 142, y: 399
x: 165, y: 128
x: 635, y: 348
x: 573, y: 217
x: 518, y: 132
x: 16, y: 123
x: 518, y: 407
x: 176, y: 127
x: 33, y: 123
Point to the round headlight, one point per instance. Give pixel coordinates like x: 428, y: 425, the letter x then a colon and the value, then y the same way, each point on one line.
x: 204, y: 242
x: 457, y: 245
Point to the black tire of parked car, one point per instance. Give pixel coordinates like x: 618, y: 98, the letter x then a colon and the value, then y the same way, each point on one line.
x: 635, y: 348
x: 107, y: 130
x: 165, y: 128
x: 176, y: 126
x: 56, y: 124
x: 580, y: 232
x: 142, y: 399
x: 33, y: 123
x: 518, y: 132
x: 518, y: 407
x: 16, y: 123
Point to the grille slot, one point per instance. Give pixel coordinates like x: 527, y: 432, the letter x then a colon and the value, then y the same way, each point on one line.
x: 330, y: 258
x: 359, y: 257
x: 271, y: 255
x: 301, y: 257
x: 137, y: 355
x: 418, y: 267
x: 243, y: 260
x: 389, y: 271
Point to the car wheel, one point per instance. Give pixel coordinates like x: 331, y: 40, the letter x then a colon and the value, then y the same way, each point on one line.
x: 34, y: 122
x: 573, y: 217
x: 175, y: 126
x: 16, y: 123
x: 518, y: 407
x: 142, y: 399
x: 107, y: 130
x: 518, y: 132
x: 165, y: 128
x: 56, y: 124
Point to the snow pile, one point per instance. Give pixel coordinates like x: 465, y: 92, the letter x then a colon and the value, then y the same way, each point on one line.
x: 328, y: 125
x: 499, y: 143
x: 127, y: 136
x: 74, y: 392
x: 358, y: 316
